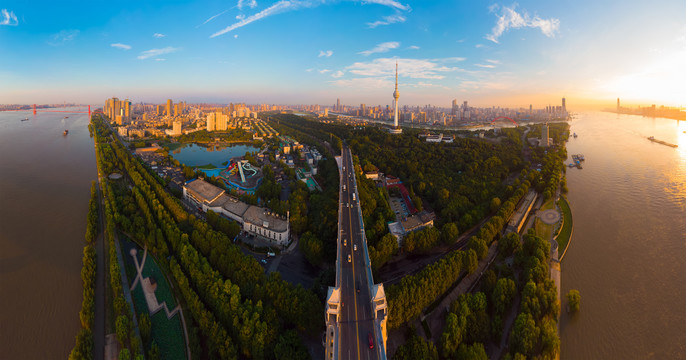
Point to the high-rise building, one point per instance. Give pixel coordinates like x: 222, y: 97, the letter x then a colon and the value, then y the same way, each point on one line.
x: 564, y: 105
x: 210, y: 121
x: 455, y: 108
x: 326, y: 112
x: 176, y: 130
x: 617, y: 104
x: 363, y: 110
x: 169, y: 107
x: 531, y: 109
x: 338, y: 105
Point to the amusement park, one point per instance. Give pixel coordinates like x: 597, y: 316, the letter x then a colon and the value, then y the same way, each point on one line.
x: 238, y: 175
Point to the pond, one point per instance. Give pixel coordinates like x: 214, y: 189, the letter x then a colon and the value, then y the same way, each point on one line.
x: 199, y: 155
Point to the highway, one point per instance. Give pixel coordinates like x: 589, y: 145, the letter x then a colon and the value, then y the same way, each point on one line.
x: 357, y: 320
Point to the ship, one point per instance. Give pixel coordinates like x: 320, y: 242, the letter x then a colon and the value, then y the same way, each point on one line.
x: 653, y: 139
x: 575, y: 135
x: 26, y: 119
x: 65, y: 132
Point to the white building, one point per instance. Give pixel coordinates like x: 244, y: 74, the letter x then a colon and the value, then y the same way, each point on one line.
x: 255, y: 220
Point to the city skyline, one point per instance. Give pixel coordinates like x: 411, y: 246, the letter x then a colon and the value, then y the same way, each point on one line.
x: 497, y: 54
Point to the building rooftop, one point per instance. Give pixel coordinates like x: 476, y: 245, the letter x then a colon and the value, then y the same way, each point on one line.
x: 235, y: 206
x: 204, y: 190
x: 260, y: 216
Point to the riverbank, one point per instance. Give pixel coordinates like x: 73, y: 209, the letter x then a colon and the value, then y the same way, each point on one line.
x: 564, y: 237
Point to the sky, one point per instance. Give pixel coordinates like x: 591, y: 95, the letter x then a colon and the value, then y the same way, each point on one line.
x: 507, y: 54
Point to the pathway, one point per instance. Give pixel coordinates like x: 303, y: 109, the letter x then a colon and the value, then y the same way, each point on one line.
x: 151, y: 299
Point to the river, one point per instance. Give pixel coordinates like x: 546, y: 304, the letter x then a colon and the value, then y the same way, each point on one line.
x: 44, y: 190
x: 628, y: 252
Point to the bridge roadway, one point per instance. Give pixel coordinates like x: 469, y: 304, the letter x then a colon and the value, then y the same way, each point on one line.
x: 357, y: 318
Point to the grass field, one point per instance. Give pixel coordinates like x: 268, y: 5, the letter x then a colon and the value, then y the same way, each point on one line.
x: 544, y: 230
x: 167, y: 333
x: 566, y: 231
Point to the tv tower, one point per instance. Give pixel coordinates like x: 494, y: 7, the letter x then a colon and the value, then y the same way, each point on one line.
x: 396, y: 96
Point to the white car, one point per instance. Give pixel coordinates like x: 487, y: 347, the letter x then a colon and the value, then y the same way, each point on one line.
x: 355, y: 247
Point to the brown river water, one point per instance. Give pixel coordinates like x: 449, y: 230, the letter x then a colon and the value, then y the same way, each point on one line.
x: 628, y: 251
x: 44, y: 191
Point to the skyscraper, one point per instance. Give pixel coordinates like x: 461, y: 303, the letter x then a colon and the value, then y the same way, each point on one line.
x: 338, y: 104
x: 169, y: 107
x: 617, y: 104
x: 564, y: 105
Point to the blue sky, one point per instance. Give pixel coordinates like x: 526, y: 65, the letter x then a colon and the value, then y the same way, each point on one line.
x: 314, y: 51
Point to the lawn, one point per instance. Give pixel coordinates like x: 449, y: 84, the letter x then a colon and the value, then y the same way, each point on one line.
x: 544, y: 230
x: 566, y: 232
x: 167, y: 333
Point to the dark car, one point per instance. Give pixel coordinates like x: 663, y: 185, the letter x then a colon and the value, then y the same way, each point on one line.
x: 371, y: 341
x: 357, y: 286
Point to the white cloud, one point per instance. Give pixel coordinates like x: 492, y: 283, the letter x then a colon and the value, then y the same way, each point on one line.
x: 213, y: 17
x: 411, y: 68
x: 249, y: 3
x: 158, y: 35
x: 121, y: 46
x: 8, y: 18
x: 157, y: 52
x: 326, y: 53
x: 488, y: 66
x: 449, y: 59
x: 160, y: 59
x: 381, y: 48
x: 389, y: 3
x: 365, y: 83
x: 413, y: 47
x: 460, y: 41
x: 324, y: 71
x: 387, y: 20
x: 493, y: 61
x: 509, y: 18
x: 309, y: 70
x: 479, y: 46
x: 240, y: 17
x: 291, y: 5
x: 235, y: 36
x: 337, y: 74
x: 63, y: 37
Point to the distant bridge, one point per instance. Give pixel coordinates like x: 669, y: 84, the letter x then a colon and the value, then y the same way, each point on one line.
x: 36, y: 110
x: 504, y: 117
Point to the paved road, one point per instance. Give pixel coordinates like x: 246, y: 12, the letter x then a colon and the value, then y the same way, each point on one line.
x: 357, y: 320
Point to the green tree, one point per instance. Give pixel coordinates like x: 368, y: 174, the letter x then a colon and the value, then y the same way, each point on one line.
x: 525, y: 334
x: 574, y: 300
x: 503, y: 293
x: 450, y: 233
x: 415, y: 347
x: 471, y: 260
x: 475, y: 351
x: 122, y: 329
x: 145, y: 326
x: 495, y: 204
x: 124, y: 354
x: 289, y: 346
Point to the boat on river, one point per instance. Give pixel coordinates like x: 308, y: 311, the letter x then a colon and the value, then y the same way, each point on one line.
x: 65, y: 132
x: 653, y: 139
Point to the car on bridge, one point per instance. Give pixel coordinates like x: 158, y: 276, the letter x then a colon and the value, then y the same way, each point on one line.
x: 355, y: 247
x: 349, y: 259
x: 371, y: 341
